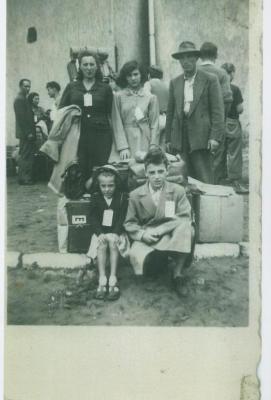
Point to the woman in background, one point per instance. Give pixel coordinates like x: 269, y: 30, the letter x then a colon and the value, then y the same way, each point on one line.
x: 94, y: 97
x: 135, y: 114
x: 38, y: 112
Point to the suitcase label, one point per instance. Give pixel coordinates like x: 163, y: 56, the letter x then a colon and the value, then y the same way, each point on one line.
x: 79, y: 219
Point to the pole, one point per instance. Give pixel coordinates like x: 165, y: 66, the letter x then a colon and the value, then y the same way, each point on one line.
x: 151, y: 32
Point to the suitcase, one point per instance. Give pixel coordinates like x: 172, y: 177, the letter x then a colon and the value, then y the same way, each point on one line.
x: 79, y: 230
x: 219, y: 219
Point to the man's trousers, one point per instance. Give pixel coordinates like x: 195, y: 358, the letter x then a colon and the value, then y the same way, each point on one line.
x: 27, y: 151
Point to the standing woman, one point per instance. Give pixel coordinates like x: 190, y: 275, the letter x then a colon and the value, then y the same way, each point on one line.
x: 38, y: 112
x: 135, y: 114
x: 95, y: 100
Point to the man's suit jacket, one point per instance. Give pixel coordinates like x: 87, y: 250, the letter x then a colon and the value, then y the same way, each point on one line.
x: 205, y: 119
x: 25, y: 124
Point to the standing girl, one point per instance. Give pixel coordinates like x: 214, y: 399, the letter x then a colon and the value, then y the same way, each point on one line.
x: 135, y: 114
x: 108, y: 211
x: 95, y: 100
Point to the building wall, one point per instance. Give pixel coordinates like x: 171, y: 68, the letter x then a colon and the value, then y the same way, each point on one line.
x: 62, y: 24
x: 223, y: 22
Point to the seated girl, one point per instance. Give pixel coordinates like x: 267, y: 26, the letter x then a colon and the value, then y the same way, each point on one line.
x: 108, y: 211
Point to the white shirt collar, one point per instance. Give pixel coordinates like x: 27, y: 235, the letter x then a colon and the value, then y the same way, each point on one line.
x: 152, y: 191
x: 190, y: 79
x: 108, y: 201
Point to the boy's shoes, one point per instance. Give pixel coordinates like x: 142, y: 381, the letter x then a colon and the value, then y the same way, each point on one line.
x: 179, y: 285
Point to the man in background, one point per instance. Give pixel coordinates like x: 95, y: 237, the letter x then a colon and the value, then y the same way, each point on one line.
x: 233, y: 143
x: 208, y: 55
x: 157, y: 86
x: 53, y: 89
x: 25, y: 132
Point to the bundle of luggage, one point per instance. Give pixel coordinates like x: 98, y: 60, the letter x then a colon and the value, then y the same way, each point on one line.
x: 217, y: 210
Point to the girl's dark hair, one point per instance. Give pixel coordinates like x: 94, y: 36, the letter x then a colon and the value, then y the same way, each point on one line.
x: 88, y: 53
x: 31, y: 97
x: 126, y: 70
x: 105, y: 170
x: 155, y: 156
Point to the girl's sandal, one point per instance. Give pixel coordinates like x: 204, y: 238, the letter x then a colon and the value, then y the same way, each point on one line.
x: 100, y: 293
x: 113, y: 293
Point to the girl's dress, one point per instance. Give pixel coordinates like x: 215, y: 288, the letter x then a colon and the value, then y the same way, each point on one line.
x: 118, y: 206
x: 135, y: 121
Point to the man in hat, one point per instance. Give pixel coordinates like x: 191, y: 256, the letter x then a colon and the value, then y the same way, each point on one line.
x: 208, y: 55
x: 157, y: 86
x: 195, y: 115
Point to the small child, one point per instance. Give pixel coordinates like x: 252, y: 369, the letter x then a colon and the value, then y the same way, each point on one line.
x: 107, y: 214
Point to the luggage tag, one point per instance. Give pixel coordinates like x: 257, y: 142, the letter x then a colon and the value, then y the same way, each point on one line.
x: 139, y: 114
x: 169, y: 209
x: 87, y: 100
x: 107, y: 218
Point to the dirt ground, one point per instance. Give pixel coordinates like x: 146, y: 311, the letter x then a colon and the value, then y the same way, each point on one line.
x: 218, y: 288
x: 218, y: 296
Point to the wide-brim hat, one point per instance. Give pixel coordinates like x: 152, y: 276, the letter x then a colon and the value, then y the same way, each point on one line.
x: 186, y: 48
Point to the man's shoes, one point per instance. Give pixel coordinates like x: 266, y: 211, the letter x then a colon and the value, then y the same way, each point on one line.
x: 180, y: 287
x: 239, y: 189
x: 26, y: 183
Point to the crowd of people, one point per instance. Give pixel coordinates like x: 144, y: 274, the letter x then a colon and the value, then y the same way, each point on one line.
x: 195, y: 118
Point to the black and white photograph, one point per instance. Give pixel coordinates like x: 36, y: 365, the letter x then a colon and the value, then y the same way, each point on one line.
x: 133, y: 166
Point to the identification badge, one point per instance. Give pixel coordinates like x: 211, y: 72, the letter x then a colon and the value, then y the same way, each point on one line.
x: 87, y: 100
x: 35, y: 119
x: 139, y: 114
x: 107, y: 218
x: 170, y: 209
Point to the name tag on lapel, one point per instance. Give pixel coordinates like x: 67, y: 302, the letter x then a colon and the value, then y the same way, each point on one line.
x: 107, y: 218
x: 87, y: 100
x: 169, y: 209
x: 139, y: 114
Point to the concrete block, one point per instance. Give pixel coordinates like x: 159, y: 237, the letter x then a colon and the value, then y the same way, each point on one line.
x: 55, y: 260
x: 244, y: 249
x: 209, y: 250
x: 12, y: 258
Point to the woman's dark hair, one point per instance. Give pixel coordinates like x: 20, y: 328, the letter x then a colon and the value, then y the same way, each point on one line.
x: 109, y: 171
x: 155, y: 156
x: 87, y: 53
x: 228, y: 67
x: 31, y: 97
x: 126, y: 70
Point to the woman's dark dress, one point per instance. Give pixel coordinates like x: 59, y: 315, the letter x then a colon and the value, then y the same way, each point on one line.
x: 96, y: 133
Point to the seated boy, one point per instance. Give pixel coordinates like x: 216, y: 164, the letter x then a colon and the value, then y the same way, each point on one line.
x: 159, y: 220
